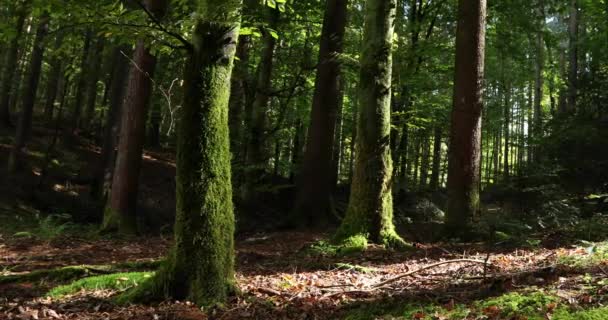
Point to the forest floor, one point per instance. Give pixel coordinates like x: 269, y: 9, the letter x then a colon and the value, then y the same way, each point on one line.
x: 53, y: 266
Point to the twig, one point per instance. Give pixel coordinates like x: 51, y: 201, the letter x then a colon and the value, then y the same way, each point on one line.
x: 162, y: 28
x: 407, y: 274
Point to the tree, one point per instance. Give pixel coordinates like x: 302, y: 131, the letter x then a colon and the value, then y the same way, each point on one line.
x: 10, y: 65
x: 200, y: 266
x: 120, y: 211
x: 313, y: 204
x: 573, y: 56
x: 465, y: 131
x: 24, y: 126
x: 370, y: 206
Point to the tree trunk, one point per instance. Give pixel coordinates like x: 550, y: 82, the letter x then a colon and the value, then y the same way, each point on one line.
x: 10, y: 66
x: 96, y: 59
x: 434, y: 185
x: 238, y: 98
x: 257, y: 147
x: 507, y: 131
x: 103, y: 174
x: 200, y: 267
x: 313, y: 204
x: 119, y: 214
x: 24, y: 127
x: 573, y: 56
x: 82, y: 81
x: 465, y: 131
x: 370, y: 208
x: 538, y: 84
x: 52, y: 85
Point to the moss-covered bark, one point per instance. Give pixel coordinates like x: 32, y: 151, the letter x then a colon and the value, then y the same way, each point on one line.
x: 200, y: 267
x: 370, y: 208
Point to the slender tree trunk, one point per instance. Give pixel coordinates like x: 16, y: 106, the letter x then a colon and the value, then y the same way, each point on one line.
x: 507, y: 131
x: 573, y: 56
x: 24, y: 127
x: 53, y: 80
x: 257, y: 147
x: 238, y: 98
x: 200, y: 267
x: 103, y: 174
x: 10, y: 65
x: 465, y: 132
x: 95, y: 63
x: 338, y: 141
x: 434, y: 184
x: 370, y: 207
x: 313, y: 204
x: 424, y: 163
x: 538, y: 83
x: 82, y: 81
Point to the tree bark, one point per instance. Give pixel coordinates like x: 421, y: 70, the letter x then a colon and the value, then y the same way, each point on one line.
x: 95, y: 63
x: 24, y: 127
x: 82, y: 81
x: 119, y: 214
x: 538, y: 84
x: 103, y: 173
x: 313, y: 204
x: 465, y: 131
x: 434, y: 184
x: 52, y: 85
x: 11, y: 64
x: 573, y: 56
x: 200, y: 266
x: 370, y: 207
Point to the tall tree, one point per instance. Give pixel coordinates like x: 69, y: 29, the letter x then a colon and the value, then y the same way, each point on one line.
x: 573, y: 55
x: 122, y: 204
x: 24, y: 127
x: 10, y: 64
x: 465, y: 131
x: 370, y: 207
x: 52, y: 86
x: 200, y: 267
x: 313, y: 204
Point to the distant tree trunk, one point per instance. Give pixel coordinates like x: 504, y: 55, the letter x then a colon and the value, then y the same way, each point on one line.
x: 424, y: 163
x: 257, y: 147
x: 370, y: 207
x: 95, y: 63
x: 238, y: 98
x: 119, y: 214
x: 82, y: 81
x: 465, y: 132
x: 338, y: 141
x: 53, y: 81
x: 10, y: 65
x: 573, y: 56
x: 24, y: 127
x: 434, y: 185
x: 507, y: 131
x: 103, y: 173
x: 296, y: 150
x: 313, y: 204
x: 200, y: 267
x: 538, y: 83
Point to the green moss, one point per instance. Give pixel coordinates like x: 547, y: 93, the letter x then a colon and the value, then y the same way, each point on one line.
x: 518, y: 304
x: 116, y: 281
x: 74, y: 272
x: 592, y: 314
x: 354, y: 267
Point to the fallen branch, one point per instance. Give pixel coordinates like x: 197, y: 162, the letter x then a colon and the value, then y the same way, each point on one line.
x: 410, y: 273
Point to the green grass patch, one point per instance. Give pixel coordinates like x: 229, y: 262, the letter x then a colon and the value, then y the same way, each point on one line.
x: 116, y: 281
x: 354, y: 267
x: 351, y: 245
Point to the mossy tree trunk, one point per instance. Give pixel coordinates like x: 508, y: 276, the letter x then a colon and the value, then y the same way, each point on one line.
x: 24, y: 127
x: 465, y: 131
x: 200, y: 267
x: 10, y: 64
x: 313, y: 206
x: 370, y: 207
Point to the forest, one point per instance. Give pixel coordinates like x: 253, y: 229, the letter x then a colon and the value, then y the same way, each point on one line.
x: 312, y: 159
